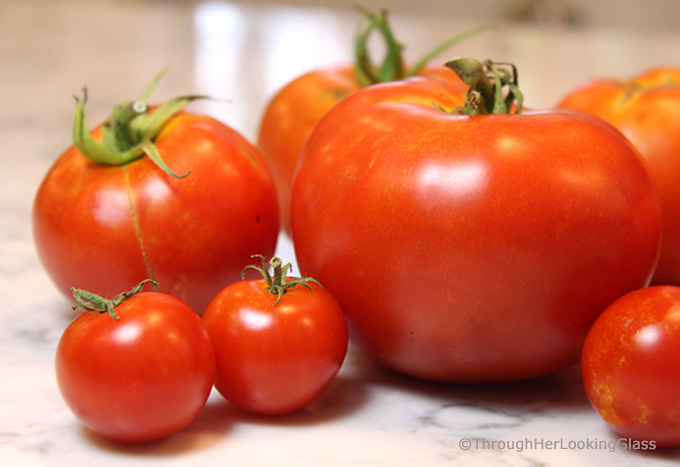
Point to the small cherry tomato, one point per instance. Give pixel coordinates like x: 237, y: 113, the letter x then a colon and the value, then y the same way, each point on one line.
x: 277, y: 346
x: 136, y: 368
x: 631, y: 365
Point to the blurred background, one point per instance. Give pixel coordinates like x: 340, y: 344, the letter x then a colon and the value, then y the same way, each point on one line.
x: 245, y: 50
x: 571, y: 13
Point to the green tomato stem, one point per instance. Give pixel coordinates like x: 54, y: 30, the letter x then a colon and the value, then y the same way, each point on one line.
x: 278, y: 283
x: 444, y: 46
x: 131, y: 130
x: 392, y: 67
x: 93, y: 302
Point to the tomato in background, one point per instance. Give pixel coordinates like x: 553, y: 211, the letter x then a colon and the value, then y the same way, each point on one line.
x: 136, y: 368
x: 187, y: 204
x: 292, y: 114
x: 647, y: 110
x: 471, y: 248
x: 279, y: 341
x: 631, y: 365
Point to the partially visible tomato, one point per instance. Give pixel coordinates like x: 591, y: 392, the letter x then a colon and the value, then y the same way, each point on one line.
x: 137, y: 368
x: 647, y: 110
x: 292, y: 114
x: 105, y: 218
x: 631, y: 365
x: 471, y: 247
x: 279, y: 342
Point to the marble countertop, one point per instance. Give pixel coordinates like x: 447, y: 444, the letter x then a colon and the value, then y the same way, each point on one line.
x: 244, y: 53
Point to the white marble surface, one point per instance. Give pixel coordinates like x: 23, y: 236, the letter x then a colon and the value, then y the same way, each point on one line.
x: 368, y: 416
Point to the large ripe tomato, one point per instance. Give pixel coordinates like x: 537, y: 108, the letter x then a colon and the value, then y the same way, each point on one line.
x: 647, y: 110
x: 471, y: 247
x: 631, y: 365
x: 103, y: 228
x: 140, y: 373
x: 292, y: 114
x: 279, y: 342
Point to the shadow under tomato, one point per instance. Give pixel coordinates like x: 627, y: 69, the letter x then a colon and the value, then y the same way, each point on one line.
x: 209, y: 427
x: 343, y: 397
x: 561, y: 391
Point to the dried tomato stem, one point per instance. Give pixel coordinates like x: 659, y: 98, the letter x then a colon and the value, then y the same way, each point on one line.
x: 487, y: 81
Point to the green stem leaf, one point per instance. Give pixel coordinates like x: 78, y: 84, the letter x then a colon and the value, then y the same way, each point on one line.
x: 151, y: 151
x: 93, y: 302
x: 97, y: 151
x: 131, y: 131
x: 149, y: 88
x: 392, y: 67
x: 444, y: 46
x: 278, y: 284
x: 147, y: 126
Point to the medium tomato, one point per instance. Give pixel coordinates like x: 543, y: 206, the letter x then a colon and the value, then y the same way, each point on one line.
x: 647, y: 110
x: 136, y: 368
x: 471, y: 247
x: 277, y: 346
x: 108, y: 215
x: 631, y: 365
x: 294, y: 111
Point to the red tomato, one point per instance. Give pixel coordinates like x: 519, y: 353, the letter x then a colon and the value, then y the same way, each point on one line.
x: 471, y: 248
x: 292, y: 114
x: 140, y: 377
x: 275, y: 354
x: 631, y: 368
x: 647, y: 110
x: 104, y: 228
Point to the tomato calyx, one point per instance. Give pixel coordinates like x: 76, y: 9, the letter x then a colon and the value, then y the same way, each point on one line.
x: 130, y: 132
x: 278, y: 283
x: 486, y: 81
x: 93, y: 302
x: 392, y: 67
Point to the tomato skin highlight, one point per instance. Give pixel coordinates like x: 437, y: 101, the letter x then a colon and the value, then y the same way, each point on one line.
x: 273, y: 360
x: 292, y: 114
x: 105, y: 228
x: 474, y: 248
x: 647, y: 110
x: 630, y: 365
x: 138, y: 378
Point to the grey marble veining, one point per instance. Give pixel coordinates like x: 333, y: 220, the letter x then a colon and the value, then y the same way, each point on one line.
x: 368, y: 416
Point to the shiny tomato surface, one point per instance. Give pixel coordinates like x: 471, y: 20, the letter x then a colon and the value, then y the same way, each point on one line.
x: 104, y: 228
x: 647, y: 110
x: 140, y: 377
x: 630, y: 365
x: 275, y: 359
x: 292, y: 114
x: 471, y: 248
